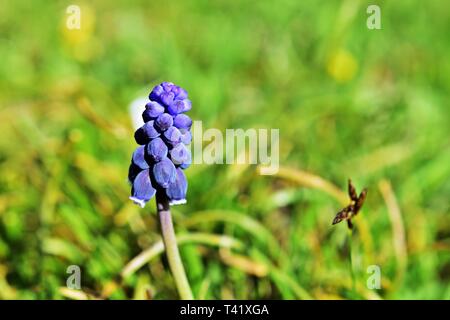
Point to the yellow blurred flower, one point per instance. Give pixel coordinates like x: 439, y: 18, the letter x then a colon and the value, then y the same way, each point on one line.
x: 342, y: 66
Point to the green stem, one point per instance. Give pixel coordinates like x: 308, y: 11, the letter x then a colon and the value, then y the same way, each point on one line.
x: 170, y: 244
x: 352, y: 270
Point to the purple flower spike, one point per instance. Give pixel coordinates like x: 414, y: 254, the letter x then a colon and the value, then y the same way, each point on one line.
x: 164, y: 172
x: 182, y: 121
x: 152, y: 110
x: 176, y: 191
x: 157, y: 165
x: 142, y: 190
x: 157, y: 150
x: 164, y: 121
x: 172, y: 136
x: 145, y: 133
x: 138, y: 158
x: 179, y: 154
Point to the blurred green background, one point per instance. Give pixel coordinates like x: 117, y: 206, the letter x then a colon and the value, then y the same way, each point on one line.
x: 371, y: 105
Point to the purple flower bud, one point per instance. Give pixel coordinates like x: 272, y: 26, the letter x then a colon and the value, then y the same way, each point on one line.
x: 179, y: 92
x: 164, y: 121
x: 157, y: 150
x: 152, y: 110
x: 164, y: 172
x: 167, y: 98
x: 138, y: 158
x: 180, y: 154
x: 182, y: 94
x: 176, y: 191
x: 186, y: 164
x: 142, y: 190
x: 186, y: 137
x: 156, y: 93
x: 167, y: 86
x: 133, y: 171
x: 172, y: 136
x: 182, y: 121
x: 176, y: 107
x: 188, y: 161
x: 145, y: 133
x: 175, y: 89
x: 187, y: 105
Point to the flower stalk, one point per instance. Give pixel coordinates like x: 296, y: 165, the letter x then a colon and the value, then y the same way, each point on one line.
x: 170, y: 244
x: 351, y: 258
x: 158, y: 164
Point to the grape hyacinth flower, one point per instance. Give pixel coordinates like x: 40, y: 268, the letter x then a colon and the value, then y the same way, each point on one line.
x: 157, y: 166
x: 163, y: 139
